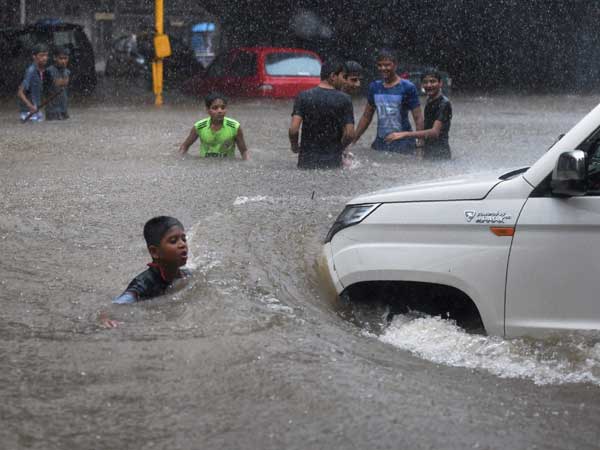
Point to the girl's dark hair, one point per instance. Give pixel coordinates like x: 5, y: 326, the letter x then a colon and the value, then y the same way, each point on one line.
x: 210, y: 98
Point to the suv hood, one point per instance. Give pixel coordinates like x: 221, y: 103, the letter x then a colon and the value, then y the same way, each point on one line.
x: 464, y: 187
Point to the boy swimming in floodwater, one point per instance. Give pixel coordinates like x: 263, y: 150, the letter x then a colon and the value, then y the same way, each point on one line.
x: 166, y: 241
x: 218, y: 134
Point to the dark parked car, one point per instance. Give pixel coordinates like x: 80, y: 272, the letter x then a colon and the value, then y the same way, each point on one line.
x: 16, y: 45
x: 131, y: 56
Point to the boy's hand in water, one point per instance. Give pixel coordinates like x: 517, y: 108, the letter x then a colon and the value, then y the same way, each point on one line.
x: 108, y: 323
x: 395, y: 136
x: 347, y: 157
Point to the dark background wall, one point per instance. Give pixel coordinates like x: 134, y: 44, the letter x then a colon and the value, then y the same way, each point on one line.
x: 534, y: 44
x: 491, y: 44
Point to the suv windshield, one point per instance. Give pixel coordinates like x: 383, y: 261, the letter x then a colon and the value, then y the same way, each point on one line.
x: 292, y: 64
x: 63, y: 38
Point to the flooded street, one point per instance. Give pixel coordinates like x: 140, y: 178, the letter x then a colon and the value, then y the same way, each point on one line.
x: 253, y: 352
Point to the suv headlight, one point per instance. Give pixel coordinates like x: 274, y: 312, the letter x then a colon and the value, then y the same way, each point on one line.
x: 351, y: 215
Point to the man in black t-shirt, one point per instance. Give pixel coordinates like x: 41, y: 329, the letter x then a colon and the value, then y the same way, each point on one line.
x: 438, y: 116
x: 326, y: 117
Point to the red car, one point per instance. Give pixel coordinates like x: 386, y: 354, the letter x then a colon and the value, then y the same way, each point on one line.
x: 258, y: 72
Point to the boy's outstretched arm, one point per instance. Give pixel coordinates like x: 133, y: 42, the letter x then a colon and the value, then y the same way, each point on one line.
x: 364, y: 121
x: 241, y: 145
x: 431, y: 133
x: 294, y: 132
x: 183, y: 148
x: 417, y: 114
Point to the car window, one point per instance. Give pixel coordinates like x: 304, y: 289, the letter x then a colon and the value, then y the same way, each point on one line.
x: 28, y: 40
x: 292, y: 64
x: 594, y: 164
x: 65, y: 38
x: 243, y: 65
x: 592, y: 148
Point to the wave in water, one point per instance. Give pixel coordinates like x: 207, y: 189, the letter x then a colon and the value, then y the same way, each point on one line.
x: 557, y: 360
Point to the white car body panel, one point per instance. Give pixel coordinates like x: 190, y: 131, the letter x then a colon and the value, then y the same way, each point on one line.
x: 554, y: 269
x: 432, y: 242
x: 540, y: 280
x: 469, y: 187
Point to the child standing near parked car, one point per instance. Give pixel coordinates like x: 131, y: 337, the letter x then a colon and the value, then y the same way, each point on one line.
x: 218, y: 134
x: 31, y: 88
x: 58, y: 81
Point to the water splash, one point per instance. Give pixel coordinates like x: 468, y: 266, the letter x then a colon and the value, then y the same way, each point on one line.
x: 259, y: 198
x: 558, y: 360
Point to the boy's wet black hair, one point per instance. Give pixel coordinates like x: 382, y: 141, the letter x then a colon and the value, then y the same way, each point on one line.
x: 354, y: 68
x: 386, y: 54
x: 334, y: 66
x: 39, y: 48
x: 155, y: 228
x: 211, y: 97
x: 431, y: 72
x: 62, y: 51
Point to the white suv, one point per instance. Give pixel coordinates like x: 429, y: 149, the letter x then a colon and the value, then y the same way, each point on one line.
x: 518, y: 253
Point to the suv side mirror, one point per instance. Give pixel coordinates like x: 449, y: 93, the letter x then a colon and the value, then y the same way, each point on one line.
x: 569, y: 177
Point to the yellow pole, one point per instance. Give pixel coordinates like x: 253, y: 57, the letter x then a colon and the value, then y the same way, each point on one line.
x: 157, y: 64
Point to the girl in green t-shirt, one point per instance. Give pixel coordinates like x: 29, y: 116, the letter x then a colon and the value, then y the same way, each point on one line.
x: 218, y: 134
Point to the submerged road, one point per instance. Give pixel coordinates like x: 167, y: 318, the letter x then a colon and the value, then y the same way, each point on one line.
x: 252, y: 353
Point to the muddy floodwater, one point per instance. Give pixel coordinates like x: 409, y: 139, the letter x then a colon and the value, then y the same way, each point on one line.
x: 253, y: 352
